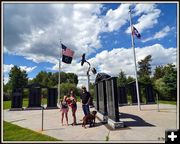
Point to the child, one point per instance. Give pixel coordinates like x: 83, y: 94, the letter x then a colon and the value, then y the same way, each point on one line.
x: 64, y: 109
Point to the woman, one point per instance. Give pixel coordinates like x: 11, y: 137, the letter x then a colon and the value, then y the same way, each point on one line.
x: 73, y: 105
x: 64, y: 109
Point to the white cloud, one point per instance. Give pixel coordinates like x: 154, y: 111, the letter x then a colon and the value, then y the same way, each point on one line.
x: 34, y: 30
x: 115, y: 19
x: 7, y: 68
x: 111, y: 62
x: 161, y: 34
x: 5, y: 79
x: 149, y: 16
x: 27, y: 69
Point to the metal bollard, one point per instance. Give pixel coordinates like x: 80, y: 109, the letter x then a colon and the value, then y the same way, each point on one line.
x: 157, y: 102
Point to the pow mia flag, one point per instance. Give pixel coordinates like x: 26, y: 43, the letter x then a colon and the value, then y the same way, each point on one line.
x: 67, y: 54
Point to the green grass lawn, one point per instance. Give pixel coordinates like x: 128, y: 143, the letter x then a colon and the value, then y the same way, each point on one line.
x: 13, y: 132
x: 7, y: 104
x: 168, y: 102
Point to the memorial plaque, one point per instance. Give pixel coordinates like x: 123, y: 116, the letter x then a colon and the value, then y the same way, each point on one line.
x: 96, y: 100
x: 102, y: 97
x: 133, y: 92
x: 112, y: 99
x: 122, y: 95
x: 149, y: 94
x: 52, y: 98
x: 34, y: 97
x: 16, y: 101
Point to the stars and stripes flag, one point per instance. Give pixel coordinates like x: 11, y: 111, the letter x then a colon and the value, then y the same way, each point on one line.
x: 135, y: 32
x: 67, y: 54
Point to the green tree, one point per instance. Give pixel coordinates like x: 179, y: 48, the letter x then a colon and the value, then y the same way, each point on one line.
x: 166, y: 84
x: 51, y: 79
x: 91, y: 85
x: 145, y: 70
x: 63, y: 77
x: 72, y: 78
x: 170, y: 79
x: 121, y: 80
x: 158, y: 72
x: 130, y: 79
x: 17, y: 77
x: 66, y: 87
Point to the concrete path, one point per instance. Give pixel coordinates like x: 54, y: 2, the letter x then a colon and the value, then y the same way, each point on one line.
x: 145, y: 125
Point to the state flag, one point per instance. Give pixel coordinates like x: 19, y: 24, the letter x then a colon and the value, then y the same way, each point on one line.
x: 135, y: 32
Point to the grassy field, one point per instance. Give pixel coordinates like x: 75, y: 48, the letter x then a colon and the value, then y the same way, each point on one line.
x: 13, y: 132
x: 168, y: 102
x: 7, y: 104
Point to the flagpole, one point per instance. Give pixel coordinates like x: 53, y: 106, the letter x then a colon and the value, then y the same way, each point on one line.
x: 132, y: 38
x: 59, y: 78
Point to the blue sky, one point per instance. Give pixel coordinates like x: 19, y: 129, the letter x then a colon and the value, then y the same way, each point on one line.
x: 31, y: 34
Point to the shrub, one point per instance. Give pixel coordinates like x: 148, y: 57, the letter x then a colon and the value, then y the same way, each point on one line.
x: 6, y: 97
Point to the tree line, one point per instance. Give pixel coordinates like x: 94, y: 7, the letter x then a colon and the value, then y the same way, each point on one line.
x: 19, y: 79
x: 163, y: 79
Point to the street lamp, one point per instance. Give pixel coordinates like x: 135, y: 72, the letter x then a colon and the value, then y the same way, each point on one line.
x: 89, y: 68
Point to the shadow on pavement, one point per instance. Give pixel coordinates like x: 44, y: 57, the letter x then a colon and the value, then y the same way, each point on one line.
x: 87, y: 125
x: 136, y: 120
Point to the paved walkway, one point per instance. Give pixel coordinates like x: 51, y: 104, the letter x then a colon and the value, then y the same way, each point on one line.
x: 147, y: 124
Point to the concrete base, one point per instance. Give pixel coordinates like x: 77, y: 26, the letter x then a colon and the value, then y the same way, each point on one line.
x: 33, y: 108
x: 16, y: 109
x: 103, y: 118
x: 109, y: 121
x: 114, y: 124
x: 52, y: 107
x: 125, y: 104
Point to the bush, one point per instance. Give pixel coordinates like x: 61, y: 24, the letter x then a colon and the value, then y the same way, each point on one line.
x: 6, y: 97
x: 25, y: 93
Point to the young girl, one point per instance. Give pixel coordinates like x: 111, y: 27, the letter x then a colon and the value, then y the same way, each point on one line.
x: 73, y: 106
x: 64, y: 109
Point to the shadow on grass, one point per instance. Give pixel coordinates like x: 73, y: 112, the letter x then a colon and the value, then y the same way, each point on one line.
x: 136, y: 121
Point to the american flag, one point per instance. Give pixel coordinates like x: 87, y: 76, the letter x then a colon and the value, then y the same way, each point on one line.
x: 66, y: 51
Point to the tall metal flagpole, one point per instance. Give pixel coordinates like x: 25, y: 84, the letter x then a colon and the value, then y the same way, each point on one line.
x: 132, y: 38
x: 59, y: 73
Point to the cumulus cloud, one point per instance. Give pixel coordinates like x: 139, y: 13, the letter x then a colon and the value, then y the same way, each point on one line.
x: 5, y: 79
x: 34, y: 30
x: 7, y: 68
x: 115, y: 19
x: 161, y: 34
x: 111, y: 62
x: 27, y: 69
x: 149, y: 16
